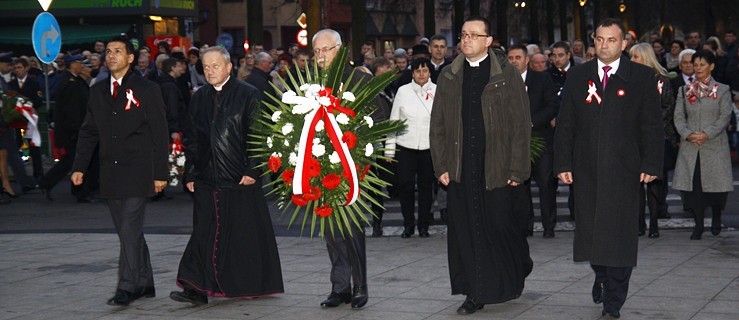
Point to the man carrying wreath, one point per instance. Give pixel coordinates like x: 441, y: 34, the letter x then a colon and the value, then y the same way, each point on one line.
x: 232, y: 251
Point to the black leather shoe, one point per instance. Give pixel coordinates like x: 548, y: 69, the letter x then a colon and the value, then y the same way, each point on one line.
x: 469, y: 306
x: 46, y: 191
x: 407, y: 233
x: 121, y: 298
x: 30, y: 187
x: 190, y: 296
x: 599, y: 291
x: 423, y: 232
x: 146, y: 292
x: 360, y: 297
x: 548, y: 233
x: 334, y: 300
x: 654, y: 234
x: 608, y: 315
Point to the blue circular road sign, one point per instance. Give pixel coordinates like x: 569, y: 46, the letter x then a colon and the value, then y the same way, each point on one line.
x: 46, y: 37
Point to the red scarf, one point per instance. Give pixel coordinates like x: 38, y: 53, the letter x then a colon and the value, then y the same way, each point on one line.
x: 699, y: 89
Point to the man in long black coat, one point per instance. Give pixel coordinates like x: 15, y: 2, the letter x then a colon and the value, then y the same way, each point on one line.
x: 544, y: 104
x: 126, y: 116
x: 70, y: 109
x: 232, y: 251
x: 608, y: 140
x: 259, y: 76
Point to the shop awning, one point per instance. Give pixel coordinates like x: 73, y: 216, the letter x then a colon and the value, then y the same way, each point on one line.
x: 70, y: 34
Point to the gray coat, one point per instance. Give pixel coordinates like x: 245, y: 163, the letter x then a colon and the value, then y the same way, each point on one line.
x: 710, y: 116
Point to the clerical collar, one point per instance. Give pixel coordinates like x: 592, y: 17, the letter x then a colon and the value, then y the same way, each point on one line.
x: 476, y: 63
x: 220, y: 87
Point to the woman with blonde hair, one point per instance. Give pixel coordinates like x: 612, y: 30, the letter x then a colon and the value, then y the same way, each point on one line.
x: 656, y: 194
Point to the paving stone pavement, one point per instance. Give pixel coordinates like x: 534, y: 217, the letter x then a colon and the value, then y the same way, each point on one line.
x: 70, y: 276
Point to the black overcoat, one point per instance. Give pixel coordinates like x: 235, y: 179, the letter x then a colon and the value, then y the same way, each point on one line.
x: 606, y: 146
x: 69, y: 110
x: 543, y: 102
x: 133, y: 142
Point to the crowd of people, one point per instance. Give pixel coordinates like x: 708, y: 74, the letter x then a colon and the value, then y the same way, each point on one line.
x: 612, y: 117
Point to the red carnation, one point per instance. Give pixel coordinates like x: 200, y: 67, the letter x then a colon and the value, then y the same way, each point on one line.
x: 274, y: 163
x: 299, y: 200
x: 287, y: 176
x: 350, y: 139
x: 313, y: 194
x: 313, y: 167
x: 324, y: 211
x: 331, y: 181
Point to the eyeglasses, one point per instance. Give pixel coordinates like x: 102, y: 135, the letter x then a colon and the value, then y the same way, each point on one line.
x: 471, y: 36
x: 324, y: 50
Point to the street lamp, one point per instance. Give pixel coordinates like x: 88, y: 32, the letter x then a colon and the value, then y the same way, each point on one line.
x: 622, y: 7
x: 521, y: 4
x: 582, y: 2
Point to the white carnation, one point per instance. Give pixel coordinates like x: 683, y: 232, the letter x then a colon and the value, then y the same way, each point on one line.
x: 293, y: 159
x: 324, y: 101
x: 348, y: 96
x: 370, y: 121
x: 370, y: 149
x: 316, y: 141
x: 180, y: 161
x: 287, y: 128
x: 342, y: 119
x: 319, y: 150
x: 301, y: 109
x: 174, y: 182
x: 334, y: 158
x: 276, y: 116
x: 319, y: 126
x: 304, y: 87
x: 277, y: 154
x: 287, y: 143
x: 269, y: 142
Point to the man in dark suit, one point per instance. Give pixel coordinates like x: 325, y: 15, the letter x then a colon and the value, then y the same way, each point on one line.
x: 259, y: 76
x: 544, y: 104
x: 687, y: 73
x: 562, y: 63
x: 126, y: 116
x: 27, y: 86
x: 348, y: 255
x: 609, y: 140
x: 438, y: 55
x: 70, y: 107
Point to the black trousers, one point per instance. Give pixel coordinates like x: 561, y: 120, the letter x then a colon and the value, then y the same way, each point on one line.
x: 134, y: 264
x: 348, y: 261
x: 59, y: 172
x: 543, y: 173
x: 656, y: 200
x: 415, y: 170
x: 616, y: 281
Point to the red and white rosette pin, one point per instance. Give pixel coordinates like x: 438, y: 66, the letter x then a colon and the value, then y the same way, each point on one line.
x: 592, y: 93
x: 131, y: 99
x: 660, y: 83
x: 621, y: 92
x: 714, y: 92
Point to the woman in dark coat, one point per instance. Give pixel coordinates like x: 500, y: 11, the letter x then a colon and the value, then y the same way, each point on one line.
x: 656, y: 194
x: 703, y: 171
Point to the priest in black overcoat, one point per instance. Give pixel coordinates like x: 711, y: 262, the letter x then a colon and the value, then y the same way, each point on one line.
x: 232, y: 251
x: 608, y: 140
x: 126, y: 117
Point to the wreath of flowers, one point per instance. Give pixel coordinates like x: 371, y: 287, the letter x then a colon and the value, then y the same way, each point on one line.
x: 176, y: 162
x: 320, y: 144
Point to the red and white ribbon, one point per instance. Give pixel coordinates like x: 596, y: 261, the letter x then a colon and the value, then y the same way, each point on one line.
x: 301, y: 181
x: 131, y: 99
x: 714, y: 92
x: 592, y: 92
x: 25, y: 108
x: 660, y: 83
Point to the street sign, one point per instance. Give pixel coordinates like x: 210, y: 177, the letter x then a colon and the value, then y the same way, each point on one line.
x: 46, y: 37
x: 303, y: 21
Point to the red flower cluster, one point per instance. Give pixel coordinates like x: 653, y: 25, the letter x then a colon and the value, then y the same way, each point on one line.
x: 299, y: 200
x: 324, y: 211
x: 287, y: 176
x: 331, y: 181
x: 274, y: 163
x: 350, y: 139
x: 313, y: 194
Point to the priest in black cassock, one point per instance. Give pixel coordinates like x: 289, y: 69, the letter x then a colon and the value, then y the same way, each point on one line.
x: 232, y: 251
x: 480, y: 137
x: 608, y: 140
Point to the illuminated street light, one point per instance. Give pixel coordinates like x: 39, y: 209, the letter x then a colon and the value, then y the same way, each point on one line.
x: 582, y: 2
x: 622, y: 7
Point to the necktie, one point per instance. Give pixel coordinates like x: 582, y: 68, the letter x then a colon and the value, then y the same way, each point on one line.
x: 20, y: 84
x: 115, y: 89
x: 605, y: 76
x: 690, y: 79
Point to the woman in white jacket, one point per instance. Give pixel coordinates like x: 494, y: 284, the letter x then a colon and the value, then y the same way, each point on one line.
x: 411, y: 148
